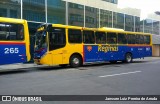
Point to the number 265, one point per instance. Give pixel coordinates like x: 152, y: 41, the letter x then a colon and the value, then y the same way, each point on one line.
x: 11, y: 50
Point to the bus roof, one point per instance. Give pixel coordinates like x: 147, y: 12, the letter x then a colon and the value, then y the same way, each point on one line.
x: 105, y: 29
x: 66, y: 26
x: 73, y: 27
x: 111, y: 29
x: 12, y: 20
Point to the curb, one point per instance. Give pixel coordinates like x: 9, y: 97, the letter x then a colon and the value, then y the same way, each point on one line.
x: 20, y: 66
x: 16, y: 67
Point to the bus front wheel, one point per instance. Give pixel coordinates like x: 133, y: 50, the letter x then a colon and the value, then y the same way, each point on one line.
x: 128, y: 58
x: 75, y: 61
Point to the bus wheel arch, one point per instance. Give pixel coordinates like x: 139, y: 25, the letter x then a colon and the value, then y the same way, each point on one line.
x: 76, y: 60
x: 128, y: 57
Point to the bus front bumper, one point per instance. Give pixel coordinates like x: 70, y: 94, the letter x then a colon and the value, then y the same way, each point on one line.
x: 37, y: 61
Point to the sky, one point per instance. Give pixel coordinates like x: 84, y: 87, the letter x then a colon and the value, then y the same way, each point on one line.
x: 146, y: 6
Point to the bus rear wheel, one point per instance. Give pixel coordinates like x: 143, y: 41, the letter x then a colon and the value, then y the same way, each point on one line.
x: 75, y: 61
x: 128, y: 58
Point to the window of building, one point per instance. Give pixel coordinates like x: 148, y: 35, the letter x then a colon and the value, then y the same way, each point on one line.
x: 111, y: 38
x: 75, y: 14
x: 10, y: 8
x: 76, y: 6
x: 131, y: 38
x: 91, y: 17
x: 57, y: 38
x: 137, y: 25
x: 13, y: 13
x: 34, y: 10
x: 122, y: 38
x: 11, y: 31
x: 141, y: 26
x: 129, y: 23
x: 100, y: 37
x: 3, y: 12
x: 148, y: 26
x: 88, y: 37
x: 106, y: 18
x: 111, y: 1
x: 156, y: 27
x: 76, y: 18
x: 74, y: 36
x: 118, y: 20
x: 56, y: 10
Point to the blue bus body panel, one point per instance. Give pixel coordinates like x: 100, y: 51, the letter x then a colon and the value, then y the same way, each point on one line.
x: 39, y: 53
x: 12, y: 53
x: 94, y: 53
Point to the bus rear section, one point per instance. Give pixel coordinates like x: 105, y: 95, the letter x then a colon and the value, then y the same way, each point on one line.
x: 116, y: 46
x: 14, y: 41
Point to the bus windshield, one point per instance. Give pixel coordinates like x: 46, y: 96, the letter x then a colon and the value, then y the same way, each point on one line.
x: 41, y: 40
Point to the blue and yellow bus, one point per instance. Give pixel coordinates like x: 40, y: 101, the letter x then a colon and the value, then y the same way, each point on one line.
x: 14, y: 41
x: 74, y: 46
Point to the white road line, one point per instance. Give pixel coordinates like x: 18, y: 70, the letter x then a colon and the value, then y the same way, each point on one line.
x: 120, y: 74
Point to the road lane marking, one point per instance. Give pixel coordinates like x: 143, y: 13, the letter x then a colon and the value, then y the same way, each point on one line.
x: 120, y: 74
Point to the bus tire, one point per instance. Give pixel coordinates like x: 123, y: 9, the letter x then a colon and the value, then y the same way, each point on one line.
x: 128, y: 58
x: 75, y: 61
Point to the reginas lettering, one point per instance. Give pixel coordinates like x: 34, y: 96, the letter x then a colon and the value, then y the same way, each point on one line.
x: 107, y: 48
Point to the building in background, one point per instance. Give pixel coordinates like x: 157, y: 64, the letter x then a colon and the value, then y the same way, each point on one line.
x: 86, y: 13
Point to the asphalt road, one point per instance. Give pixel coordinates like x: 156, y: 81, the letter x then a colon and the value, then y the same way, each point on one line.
x: 137, y: 78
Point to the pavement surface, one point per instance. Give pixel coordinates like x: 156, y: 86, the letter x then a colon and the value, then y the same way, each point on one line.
x: 142, y: 77
x: 12, y: 67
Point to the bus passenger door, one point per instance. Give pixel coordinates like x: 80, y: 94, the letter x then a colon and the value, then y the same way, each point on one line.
x: 57, y: 57
x: 57, y: 41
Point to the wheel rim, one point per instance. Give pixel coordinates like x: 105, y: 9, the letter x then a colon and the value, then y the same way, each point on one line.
x: 76, y: 61
x: 129, y: 58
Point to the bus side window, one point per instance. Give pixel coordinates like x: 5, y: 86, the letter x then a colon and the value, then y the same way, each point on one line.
x: 131, y: 38
x: 111, y: 38
x: 141, y: 39
x: 88, y: 37
x: 100, y: 37
x: 122, y: 38
x: 20, y: 32
x: 146, y: 39
x: 4, y: 31
x: 137, y: 39
x: 11, y: 31
x: 74, y: 36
